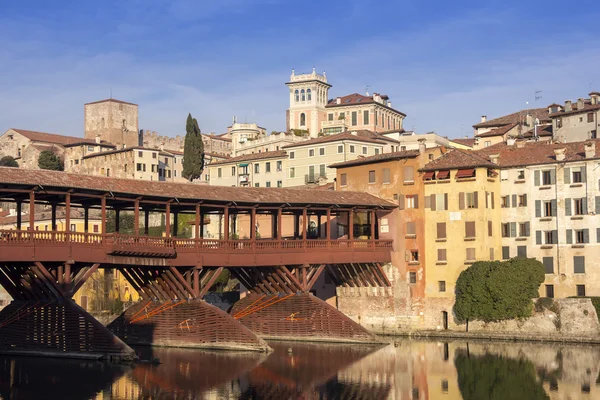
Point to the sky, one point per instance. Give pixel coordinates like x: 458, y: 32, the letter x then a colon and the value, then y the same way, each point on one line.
x: 444, y: 64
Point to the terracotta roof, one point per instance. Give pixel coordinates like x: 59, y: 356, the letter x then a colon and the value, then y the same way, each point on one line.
x: 51, y: 137
x: 86, y: 142
x: 216, y: 155
x: 105, y: 153
x: 112, y: 101
x: 543, y: 131
x: 335, y: 138
x: 587, y: 106
x: 398, y: 155
x: 498, y: 131
x: 519, y: 116
x: 373, y: 135
x: 458, y: 158
x: 358, y: 99
x: 182, y: 191
x: 326, y: 186
x: 252, y: 157
x: 216, y: 137
x: 465, y: 142
x: 535, y: 153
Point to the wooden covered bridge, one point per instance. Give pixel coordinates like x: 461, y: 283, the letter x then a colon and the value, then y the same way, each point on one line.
x: 42, y: 270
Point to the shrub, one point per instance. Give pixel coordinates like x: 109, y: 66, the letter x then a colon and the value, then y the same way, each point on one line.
x: 48, y: 160
x: 546, y: 303
x: 8, y: 161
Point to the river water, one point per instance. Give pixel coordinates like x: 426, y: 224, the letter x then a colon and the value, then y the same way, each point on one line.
x: 405, y: 369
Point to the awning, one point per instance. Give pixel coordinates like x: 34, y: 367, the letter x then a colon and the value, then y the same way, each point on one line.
x: 243, y: 165
x: 429, y: 175
x: 465, y: 173
x: 443, y: 174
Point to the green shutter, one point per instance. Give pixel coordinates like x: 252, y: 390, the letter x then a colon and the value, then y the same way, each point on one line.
x: 567, y: 175
x: 514, y: 200
x: 569, y: 236
x: 597, y: 205
x: 536, y: 178
x: 567, y: 207
x: 586, y: 236
x: 584, y: 207
x: 538, y: 237
x: 583, y: 174
x: 538, y: 208
x: 513, y: 229
x: 553, y: 205
x: 552, y: 176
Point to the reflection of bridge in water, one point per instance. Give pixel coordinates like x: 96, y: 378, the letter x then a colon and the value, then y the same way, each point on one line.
x: 42, y: 270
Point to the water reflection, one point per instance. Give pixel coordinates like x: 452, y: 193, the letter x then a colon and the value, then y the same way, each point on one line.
x: 408, y: 369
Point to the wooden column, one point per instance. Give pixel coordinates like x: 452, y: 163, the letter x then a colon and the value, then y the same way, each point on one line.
x: 86, y: 219
x: 196, y: 287
x: 103, y: 214
x: 320, y: 228
x: 136, y: 217
x: 296, y: 225
x: 175, y: 222
x: 279, y: 223
x: 372, y: 217
x: 198, y: 222
x: 68, y: 212
x: 351, y: 224
x: 168, y: 220
x: 253, y: 224
x: 19, y: 214
x: 53, y: 216
x: 117, y: 220
x: 304, y: 223
x: 146, y: 221
x: 328, y: 225
x: 226, y: 223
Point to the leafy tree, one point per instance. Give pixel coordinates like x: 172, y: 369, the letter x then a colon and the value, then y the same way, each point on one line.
x: 193, y: 150
x: 126, y: 222
x: 492, y: 377
x: 8, y: 161
x: 49, y: 160
x: 495, y: 290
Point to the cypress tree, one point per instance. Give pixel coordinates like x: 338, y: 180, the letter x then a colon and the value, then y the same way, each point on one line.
x: 193, y: 150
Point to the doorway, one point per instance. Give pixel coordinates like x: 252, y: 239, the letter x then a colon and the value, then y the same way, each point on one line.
x: 445, y: 320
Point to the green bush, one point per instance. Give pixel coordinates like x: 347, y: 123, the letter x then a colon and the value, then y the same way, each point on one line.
x: 495, y: 290
x: 48, y: 160
x: 8, y: 161
x: 546, y: 303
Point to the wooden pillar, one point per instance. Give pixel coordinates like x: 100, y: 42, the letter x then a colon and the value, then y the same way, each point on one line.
x: 253, y: 224
x: 53, y: 216
x: 67, y: 280
x: 146, y: 221
x: 319, y: 226
x: 196, y: 286
x: 68, y: 212
x: 279, y: 223
x: 372, y: 217
x: 351, y: 224
x: 304, y: 223
x: 328, y: 225
x: 103, y: 214
x: 226, y: 223
x: 117, y: 220
x: 168, y: 220
x: 175, y: 223
x: 136, y: 217
x: 198, y: 222
x: 296, y: 225
x: 86, y: 219
x: 19, y: 214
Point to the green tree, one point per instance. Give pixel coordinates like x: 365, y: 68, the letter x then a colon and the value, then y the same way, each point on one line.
x: 495, y: 290
x: 193, y: 150
x: 8, y: 161
x: 126, y: 222
x: 48, y: 160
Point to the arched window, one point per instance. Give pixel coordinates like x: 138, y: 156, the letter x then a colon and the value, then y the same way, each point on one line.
x: 308, y: 94
x: 302, y: 95
x: 302, y: 119
x: 297, y: 98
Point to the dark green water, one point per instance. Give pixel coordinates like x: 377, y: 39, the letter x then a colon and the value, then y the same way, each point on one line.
x: 408, y: 369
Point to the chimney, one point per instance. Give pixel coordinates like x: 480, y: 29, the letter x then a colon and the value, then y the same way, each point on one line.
x: 590, y: 149
x: 520, y: 144
x: 162, y: 146
x: 580, y: 104
x: 494, y: 158
x: 510, y: 141
x: 483, y: 118
x: 595, y: 97
x: 338, y: 100
x: 422, y: 146
x: 560, y: 154
x: 98, y: 138
x: 389, y: 104
x: 567, y: 105
x: 529, y: 120
x: 354, y: 133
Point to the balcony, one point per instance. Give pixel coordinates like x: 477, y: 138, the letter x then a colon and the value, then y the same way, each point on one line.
x: 314, y: 178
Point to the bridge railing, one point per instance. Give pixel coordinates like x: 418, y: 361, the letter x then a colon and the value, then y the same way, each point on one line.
x: 111, y: 240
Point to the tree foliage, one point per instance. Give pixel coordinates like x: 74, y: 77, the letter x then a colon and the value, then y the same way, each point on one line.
x: 492, y: 377
x: 495, y: 290
x: 8, y: 161
x: 48, y: 160
x: 193, y: 150
x: 126, y: 222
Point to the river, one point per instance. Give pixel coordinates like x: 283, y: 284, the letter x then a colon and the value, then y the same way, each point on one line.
x: 405, y: 369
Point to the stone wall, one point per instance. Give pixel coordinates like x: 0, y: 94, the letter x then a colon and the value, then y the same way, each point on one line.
x: 153, y: 140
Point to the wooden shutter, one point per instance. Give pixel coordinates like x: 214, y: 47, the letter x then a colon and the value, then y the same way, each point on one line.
x: 538, y: 237
x: 401, y: 202
x: 536, y: 178
x: 442, y: 255
x: 461, y: 201
x: 597, y: 235
x: 552, y: 176
x: 597, y: 205
x: 470, y: 229
x: 525, y: 200
x: 513, y: 229
x: 408, y: 174
x: 441, y: 230
x: 475, y: 201
x: 538, y: 208
x: 555, y: 236
x: 586, y: 236
x: 567, y: 175
x: 583, y: 174
x: 446, y: 201
x: 416, y: 201
x: 505, y: 252
x: 514, y: 200
x: 527, y: 228
x: 433, y: 202
x: 568, y: 207
x: 569, y: 236
x: 493, y: 200
x: 553, y: 206
x: 579, y: 264
x: 490, y: 229
x: 428, y: 201
x: 486, y: 200
x: 584, y: 207
x: 410, y: 228
x: 406, y: 255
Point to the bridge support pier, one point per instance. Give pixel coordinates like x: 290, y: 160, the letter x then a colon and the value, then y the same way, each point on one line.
x: 43, y: 320
x: 173, y: 314
x: 280, y: 306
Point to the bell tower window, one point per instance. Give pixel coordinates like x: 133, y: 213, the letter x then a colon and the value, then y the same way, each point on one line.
x: 302, y: 119
x: 308, y: 94
x: 296, y: 96
x: 302, y: 95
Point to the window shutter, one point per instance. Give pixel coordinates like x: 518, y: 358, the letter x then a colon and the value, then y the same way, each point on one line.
x: 433, y: 202
x: 513, y: 229
x: 492, y: 200
x: 446, y: 201
x: 408, y: 174
x: 486, y: 200
x: 584, y: 205
x: 538, y: 208
x: 475, y: 200
x: 567, y: 207
x: 538, y: 237
x: 514, y: 200
x: 569, y: 236
x: 407, y: 256
x: 553, y: 205
x: 555, y: 237
x: 579, y: 264
x: 527, y: 227
x: 598, y: 235
x: 441, y: 230
x: 583, y: 173
x: 525, y: 200
x: 427, y: 201
x: 597, y: 205
x: 469, y: 228
x: 552, y: 176
x: 505, y: 252
x: 586, y: 236
x: 536, y: 178
x: 416, y: 201
x: 401, y: 202
x: 461, y: 201
x: 490, y: 229
x: 567, y: 175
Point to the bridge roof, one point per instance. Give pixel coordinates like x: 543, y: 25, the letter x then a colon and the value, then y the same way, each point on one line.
x: 187, y: 191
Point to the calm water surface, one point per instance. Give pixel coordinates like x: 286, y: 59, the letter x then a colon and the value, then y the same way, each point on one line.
x: 408, y: 369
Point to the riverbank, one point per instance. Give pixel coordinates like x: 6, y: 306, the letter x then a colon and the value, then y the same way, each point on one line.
x: 489, y: 336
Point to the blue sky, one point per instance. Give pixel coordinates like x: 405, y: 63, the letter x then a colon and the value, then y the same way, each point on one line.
x: 442, y: 63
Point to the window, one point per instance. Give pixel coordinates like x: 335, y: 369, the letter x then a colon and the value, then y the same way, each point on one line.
x: 442, y: 286
x: 579, y: 264
x: 232, y: 171
x: 311, y: 152
x: 371, y: 176
x: 590, y: 117
x: 292, y: 172
x: 376, y: 151
x: 441, y: 230
x: 279, y: 184
x: 580, y: 236
x: 412, y: 276
x: 471, y: 200
x: 96, y: 229
x: 445, y: 385
x: 256, y: 168
x: 580, y: 290
x: 322, y: 172
x: 521, y: 175
x: 593, y: 134
x: 292, y: 155
x: 322, y: 151
x: 279, y: 166
x: 577, y: 206
x: 364, y: 149
x: 219, y: 173
x: 523, y: 229
x: 267, y: 167
x: 548, y: 209
x: 550, y: 237
x: 414, y: 256
x: 471, y: 254
x: 354, y: 118
x: 365, y: 117
x: 140, y: 154
x: 441, y: 255
x: 153, y: 155
x: 138, y: 167
x: 340, y: 149
x: 386, y: 175
x: 469, y: 229
x: 89, y: 148
x: 351, y: 148
x: 547, y: 177
x: 505, y: 252
x: 522, y: 251
x: 550, y: 291
x: 330, y: 117
x: 409, y: 174
x: 412, y: 201
x: 268, y: 184
x: 506, y: 230
x: 411, y: 228
x: 487, y: 143
x: 343, y: 179
x: 302, y: 96
x: 559, y: 122
x: 548, y: 264
x: 257, y: 185
x: 504, y: 201
x: 308, y: 94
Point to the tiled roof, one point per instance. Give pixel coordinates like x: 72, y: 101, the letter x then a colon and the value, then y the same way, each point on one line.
x: 498, y: 131
x: 182, y: 191
x: 587, y: 106
x: 374, y: 135
x: 535, y: 153
x: 458, y: 158
x: 338, y: 137
x: 112, y: 101
x: 86, y: 142
x: 51, y: 137
x: 358, y: 99
x: 519, y: 116
x: 216, y: 155
x: 543, y: 131
x: 217, y: 137
x: 465, y: 142
x: 105, y: 153
x: 252, y: 157
x: 398, y: 155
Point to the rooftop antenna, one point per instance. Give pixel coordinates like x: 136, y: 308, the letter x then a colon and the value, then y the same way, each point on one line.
x: 367, y: 90
x: 538, y: 95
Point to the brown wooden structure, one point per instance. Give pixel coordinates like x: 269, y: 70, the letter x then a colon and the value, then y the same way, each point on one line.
x: 42, y: 268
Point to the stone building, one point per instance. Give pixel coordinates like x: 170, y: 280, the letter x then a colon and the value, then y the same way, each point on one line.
x: 575, y: 122
x: 114, y: 121
x: 266, y: 169
x: 311, y: 110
